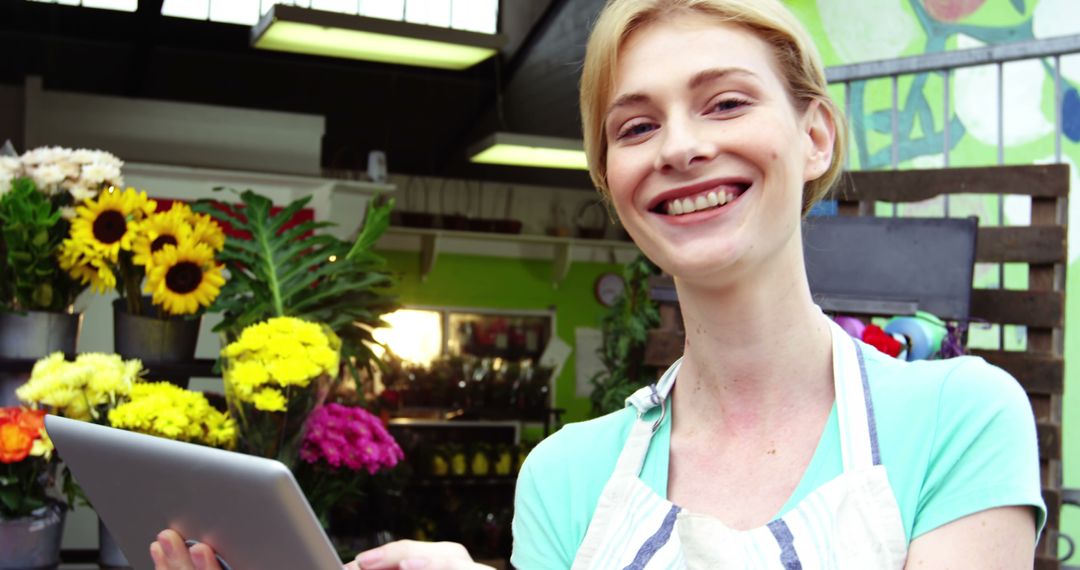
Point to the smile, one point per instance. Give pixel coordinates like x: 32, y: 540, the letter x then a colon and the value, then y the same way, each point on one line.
x: 698, y: 198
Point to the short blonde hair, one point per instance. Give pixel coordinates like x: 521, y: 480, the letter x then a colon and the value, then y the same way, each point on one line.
x: 795, y: 53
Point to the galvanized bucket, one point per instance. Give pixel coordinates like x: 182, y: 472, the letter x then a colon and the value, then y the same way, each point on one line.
x: 31, y: 336
x: 154, y: 340
x: 33, y: 542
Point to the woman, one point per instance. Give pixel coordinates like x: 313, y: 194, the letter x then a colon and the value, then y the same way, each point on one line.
x: 776, y: 441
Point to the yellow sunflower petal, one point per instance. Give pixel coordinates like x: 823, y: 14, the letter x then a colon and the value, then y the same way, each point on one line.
x: 184, y: 278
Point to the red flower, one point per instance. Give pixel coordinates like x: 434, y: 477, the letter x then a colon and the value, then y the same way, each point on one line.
x: 881, y: 340
x: 18, y: 430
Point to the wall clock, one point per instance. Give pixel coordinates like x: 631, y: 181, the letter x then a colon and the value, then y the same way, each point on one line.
x: 609, y: 286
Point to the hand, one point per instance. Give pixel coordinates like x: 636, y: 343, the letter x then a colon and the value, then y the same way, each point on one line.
x: 413, y: 555
x: 170, y: 553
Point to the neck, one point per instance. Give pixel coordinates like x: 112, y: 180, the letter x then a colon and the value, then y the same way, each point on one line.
x: 758, y: 351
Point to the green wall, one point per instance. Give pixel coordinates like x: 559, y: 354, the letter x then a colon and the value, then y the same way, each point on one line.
x: 501, y: 283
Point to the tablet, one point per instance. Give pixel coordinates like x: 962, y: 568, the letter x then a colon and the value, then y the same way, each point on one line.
x: 248, y: 509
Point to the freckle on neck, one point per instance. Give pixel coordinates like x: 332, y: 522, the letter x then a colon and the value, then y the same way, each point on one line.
x: 775, y: 155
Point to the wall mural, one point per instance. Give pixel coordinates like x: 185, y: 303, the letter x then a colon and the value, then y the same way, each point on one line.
x: 854, y: 31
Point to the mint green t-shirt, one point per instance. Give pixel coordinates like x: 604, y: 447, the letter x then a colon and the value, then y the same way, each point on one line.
x: 956, y: 437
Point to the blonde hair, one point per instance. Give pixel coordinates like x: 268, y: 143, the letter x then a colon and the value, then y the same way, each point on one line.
x: 795, y: 53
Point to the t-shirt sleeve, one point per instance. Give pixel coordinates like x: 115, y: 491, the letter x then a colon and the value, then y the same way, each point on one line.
x: 984, y: 452
x: 542, y: 511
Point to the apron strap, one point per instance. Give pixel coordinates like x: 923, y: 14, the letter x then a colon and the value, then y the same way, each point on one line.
x: 854, y: 406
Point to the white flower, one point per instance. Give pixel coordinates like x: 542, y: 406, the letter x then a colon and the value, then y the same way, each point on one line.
x: 79, y: 192
x: 84, y: 156
x: 10, y: 163
x: 5, y: 181
x: 47, y: 176
x: 44, y: 155
x: 68, y: 213
x: 98, y: 173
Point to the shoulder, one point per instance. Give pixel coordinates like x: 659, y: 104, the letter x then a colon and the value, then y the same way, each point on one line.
x: 586, y: 446
x: 559, y: 486
x: 965, y: 382
x: 957, y: 436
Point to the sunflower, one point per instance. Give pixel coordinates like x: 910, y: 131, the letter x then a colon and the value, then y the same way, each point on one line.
x: 108, y: 222
x: 87, y: 264
x: 206, y: 230
x: 182, y: 277
x: 160, y: 229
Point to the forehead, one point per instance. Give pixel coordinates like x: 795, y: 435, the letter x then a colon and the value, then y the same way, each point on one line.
x: 681, y: 45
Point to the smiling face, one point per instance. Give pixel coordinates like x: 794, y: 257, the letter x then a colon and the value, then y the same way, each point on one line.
x: 706, y: 153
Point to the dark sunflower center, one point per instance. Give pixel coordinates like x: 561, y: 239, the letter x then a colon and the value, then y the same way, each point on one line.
x: 184, y: 277
x: 109, y: 226
x: 162, y: 242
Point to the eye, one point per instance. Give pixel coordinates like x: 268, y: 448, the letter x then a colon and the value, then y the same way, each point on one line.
x: 728, y: 104
x: 635, y: 130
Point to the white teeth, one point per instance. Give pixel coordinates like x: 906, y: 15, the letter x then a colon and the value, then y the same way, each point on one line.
x: 700, y: 203
x: 723, y: 197
x: 688, y: 205
x: 712, y: 199
x: 674, y: 208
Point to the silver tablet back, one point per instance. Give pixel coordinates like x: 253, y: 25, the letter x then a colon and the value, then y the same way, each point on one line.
x: 249, y: 509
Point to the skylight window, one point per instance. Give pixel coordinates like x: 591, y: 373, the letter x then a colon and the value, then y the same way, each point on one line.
x: 119, y: 5
x: 473, y: 15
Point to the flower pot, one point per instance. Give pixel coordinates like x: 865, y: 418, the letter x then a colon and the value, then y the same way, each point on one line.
x: 30, y: 337
x: 155, y: 341
x: 33, y: 542
x: 109, y: 553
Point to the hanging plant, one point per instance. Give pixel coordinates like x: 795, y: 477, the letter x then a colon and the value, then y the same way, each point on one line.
x: 626, y: 332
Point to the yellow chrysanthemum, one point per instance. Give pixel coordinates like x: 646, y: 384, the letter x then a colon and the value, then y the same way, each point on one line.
x: 293, y: 371
x: 183, y: 278
x: 269, y: 400
x: 248, y: 373
x: 160, y: 229
x: 108, y: 222
x: 165, y: 410
x: 87, y: 264
x: 207, y: 231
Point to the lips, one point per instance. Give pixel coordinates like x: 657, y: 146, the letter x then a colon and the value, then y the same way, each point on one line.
x: 698, y: 197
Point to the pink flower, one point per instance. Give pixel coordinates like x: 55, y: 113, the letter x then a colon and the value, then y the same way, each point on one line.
x: 349, y: 436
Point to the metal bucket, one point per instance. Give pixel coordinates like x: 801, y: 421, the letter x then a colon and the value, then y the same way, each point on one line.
x: 30, y: 337
x: 155, y: 340
x: 33, y: 542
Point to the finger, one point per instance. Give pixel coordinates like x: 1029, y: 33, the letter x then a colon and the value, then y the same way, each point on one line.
x: 176, y: 552
x: 354, y: 565
x: 203, y: 557
x: 390, y: 556
x: 158, y: 555
x: 425, y: 563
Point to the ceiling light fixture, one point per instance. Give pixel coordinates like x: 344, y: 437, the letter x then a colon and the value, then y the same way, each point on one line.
x: 529, y: 150
x: 316, y: 32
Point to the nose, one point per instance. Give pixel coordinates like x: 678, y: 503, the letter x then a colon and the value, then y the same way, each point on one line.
x: 683, y: 146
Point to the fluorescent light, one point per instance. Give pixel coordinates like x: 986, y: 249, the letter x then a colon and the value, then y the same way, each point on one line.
x: 303, y: 30
x: 529, y: 150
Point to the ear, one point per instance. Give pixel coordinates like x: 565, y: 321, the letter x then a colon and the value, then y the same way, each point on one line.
x: 820, y: 129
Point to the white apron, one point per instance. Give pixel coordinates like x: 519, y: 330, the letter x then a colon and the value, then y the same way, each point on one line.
x: 852, y: 522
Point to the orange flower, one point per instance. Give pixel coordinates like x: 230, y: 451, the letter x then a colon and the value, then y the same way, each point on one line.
x: 18, y: 430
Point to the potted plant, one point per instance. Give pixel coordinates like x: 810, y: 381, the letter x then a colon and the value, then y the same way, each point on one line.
x: 123, y: 240
x: 38, y: 194
x: 85, y: 389
x: 294, y: 271
x: 31, y: 512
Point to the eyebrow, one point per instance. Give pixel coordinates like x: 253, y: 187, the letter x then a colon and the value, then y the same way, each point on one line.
x: 700, y: 78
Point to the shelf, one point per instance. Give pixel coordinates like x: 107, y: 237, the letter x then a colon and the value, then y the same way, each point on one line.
x: 561, y: 251
x: 464, y: 481
x: 242, y: 178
